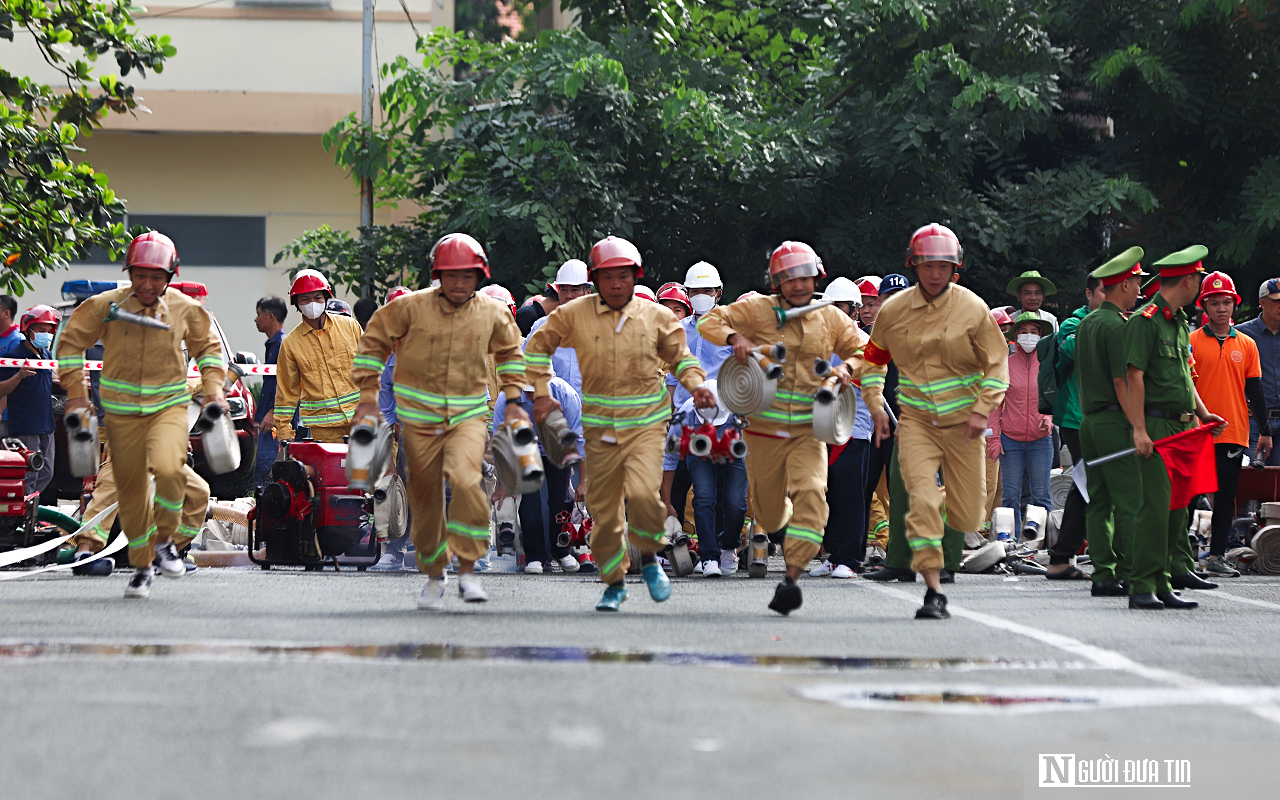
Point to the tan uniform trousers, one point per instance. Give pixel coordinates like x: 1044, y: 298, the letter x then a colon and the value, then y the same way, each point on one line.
x: 624, y: 482
x: 795, y: 468
x: 878, y: 527
x: 435, y: 456
x: 993, y: 488
x: 195, y: 507
x: 330, y: 434
x: 924, y: 449
x: 145, y: 445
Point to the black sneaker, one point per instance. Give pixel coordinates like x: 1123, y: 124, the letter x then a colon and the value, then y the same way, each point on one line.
x: 786, y: 598
x: 935, y: 606
x: 891, y: 574
x: 140, y: 584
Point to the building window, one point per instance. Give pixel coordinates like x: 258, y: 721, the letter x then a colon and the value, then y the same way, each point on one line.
x: 205, y: 241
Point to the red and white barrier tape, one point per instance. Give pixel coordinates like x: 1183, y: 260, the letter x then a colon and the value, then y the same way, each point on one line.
x: 192, y: 372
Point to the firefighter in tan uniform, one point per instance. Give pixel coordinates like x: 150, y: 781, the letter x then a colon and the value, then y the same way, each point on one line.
x: 953, y: 364
x: 313, y: 370
x: 145, y: 395
x: 625, y: 346
x: 443, y: 335
x: 784, y: 459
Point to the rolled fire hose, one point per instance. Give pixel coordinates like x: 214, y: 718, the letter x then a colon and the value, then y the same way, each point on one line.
x: 834, y: 407
x: 516, y: 457
x: 984, y: 558
x: 233, y: 516
x: 1266, y: 543
x: 559, y: 440
x: 748, y: 389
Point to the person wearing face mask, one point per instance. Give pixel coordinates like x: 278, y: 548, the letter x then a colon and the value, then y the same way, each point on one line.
x: 313, y: 370
x: 1020, y: 435
x: 145, y: 394
x: 30, y: 391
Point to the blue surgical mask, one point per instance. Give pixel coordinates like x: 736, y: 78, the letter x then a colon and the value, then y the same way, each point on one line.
x: 42, y: 340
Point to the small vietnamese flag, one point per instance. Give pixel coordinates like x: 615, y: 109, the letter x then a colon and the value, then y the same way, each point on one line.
x: 1189, y: 458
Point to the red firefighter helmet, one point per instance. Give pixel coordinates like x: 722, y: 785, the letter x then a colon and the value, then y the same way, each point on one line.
x: 500, y: 293
x: 614, y: 252
x: 675, y: 292
x: 794, y: 260
x: 399, y: 291
x: 934, y: 242
x: 36, y: 315
x: 458, y: 251
x: 152, y: 250
x: 1001, y: 316
x: 1217, y: 283
x: 309, y: 280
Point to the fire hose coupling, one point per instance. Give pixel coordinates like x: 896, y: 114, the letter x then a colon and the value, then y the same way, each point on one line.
x: 559, y: 440
x: 786, y: 316
x: 516, y: 457
x: 218, y: 437
x: 82, y: 442
x: 822, y: 367
x: 115, y: 312
x: 707, y: 443
x: 368, y: 451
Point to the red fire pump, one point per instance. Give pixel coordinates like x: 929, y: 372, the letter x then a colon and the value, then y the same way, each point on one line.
x: 17, y: 508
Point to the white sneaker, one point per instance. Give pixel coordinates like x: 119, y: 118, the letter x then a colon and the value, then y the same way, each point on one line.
x: 842, y: 572
x: 389, y: 562
x: 697, y: 568
x: 432, y: 597
x: 140, y: 584
x: 822, y: 570
x: 469, y: 589
x: 168, y: 562
x: 568, y: 564
x: 728, y: 562
x: 533, y: 568
x: 711, y: 569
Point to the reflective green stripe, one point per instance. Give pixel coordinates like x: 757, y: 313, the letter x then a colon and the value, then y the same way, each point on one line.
x: 993, y: 383
x: 70, y: 362
x: 790, y: 418
x: 135, y: 409
x: 593, y: 421
x: 613, y: 563
x: 624, y: 401
x: 325, y: 419
x: 136, y: 543
x: 923, y: 543
x: 937, y: 409
x: 418, y: 416
x: 687, y: 363
x: 209, y: 361
x: 469, y: 531
x: 881, y: 525
x: 804, y: 534
x: 510, y: 366
x: 427, y: 398
x: 872, y: 380
x: 144, y: 389
x: 188, y: 531
x: 97, y: 530
x: 949, y: 384
x: 537, y: 358
x: 367, y: 362
x: 653, y: 537
x: 792, y: 397
x: 168, y: 505
x: 428, y: 561
x: 330, y: 402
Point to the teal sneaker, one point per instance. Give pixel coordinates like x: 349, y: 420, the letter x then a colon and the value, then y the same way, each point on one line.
x: 613, y: 597
x: 658, y: 582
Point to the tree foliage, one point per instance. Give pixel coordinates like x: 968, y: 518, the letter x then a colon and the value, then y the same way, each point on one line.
x: 51, y: 208
x: 1048, y: 134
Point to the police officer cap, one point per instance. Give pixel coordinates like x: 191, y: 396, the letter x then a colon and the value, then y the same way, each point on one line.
x: 1183, y: 262
x: 1120, y: 268
x: 893, y: 282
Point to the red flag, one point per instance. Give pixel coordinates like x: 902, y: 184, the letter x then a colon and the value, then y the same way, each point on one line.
x: 833, y: 452
x: 1189, y: 458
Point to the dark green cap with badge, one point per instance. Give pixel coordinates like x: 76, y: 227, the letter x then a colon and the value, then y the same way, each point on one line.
x: 1120, y: 268
x: 1031, y: 276
x: 1183, y: 262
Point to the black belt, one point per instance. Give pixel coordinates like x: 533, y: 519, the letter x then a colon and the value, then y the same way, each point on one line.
x: 1273, y: 413
x: 1176, y: 416
x: 1112, y: 407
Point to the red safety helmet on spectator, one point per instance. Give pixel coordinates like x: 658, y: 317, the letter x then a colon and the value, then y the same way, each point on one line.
x: 500, y: 293
x: 1217, y: 283
x: 398, y: 291
x: 458, y: 251
x: 614, y: 252
x: 868, y: 285
x: 675, y: 292
x: 152, y: 250
x: 1001, y: 316
x: 36, y: 315
x: 794, y: 260
x: 309, y: 280
x: 934, y: 242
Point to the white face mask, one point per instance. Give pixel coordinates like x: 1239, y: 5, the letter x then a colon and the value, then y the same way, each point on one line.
x: 1027, y: 341
x: 702, y: 303
x: 312, y: 310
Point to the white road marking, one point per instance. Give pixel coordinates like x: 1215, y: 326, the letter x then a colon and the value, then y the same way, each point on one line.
x: 1098, y: 655
x: 1235, y: 598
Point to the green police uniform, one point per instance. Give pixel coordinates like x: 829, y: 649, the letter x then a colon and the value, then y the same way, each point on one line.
x: 1158, y: 343
x: 1115, y: 489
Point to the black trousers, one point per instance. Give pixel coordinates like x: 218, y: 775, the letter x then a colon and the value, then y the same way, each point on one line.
x: 845, y: 537
x: 1072, y: 532
x: 1224, y: 502
x: 539, y: 542
x: 681, y: 483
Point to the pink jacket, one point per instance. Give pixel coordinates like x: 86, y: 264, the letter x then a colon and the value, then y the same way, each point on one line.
x: 1019, y: 417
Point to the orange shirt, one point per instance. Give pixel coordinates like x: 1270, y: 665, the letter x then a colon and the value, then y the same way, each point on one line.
x: 1221, y: 370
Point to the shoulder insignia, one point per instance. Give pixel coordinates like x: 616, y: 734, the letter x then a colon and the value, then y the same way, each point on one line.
x: 874, y: 354
x: 1149, y: 311
x: 1168, y: 314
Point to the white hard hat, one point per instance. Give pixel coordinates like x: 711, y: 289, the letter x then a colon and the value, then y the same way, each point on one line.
x: 702, y: 276
x: 644, y: 291
x: 571, y: 273
x: 842, y: 290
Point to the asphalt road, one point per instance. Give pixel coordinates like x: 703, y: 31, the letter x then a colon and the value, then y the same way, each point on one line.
x: 240, y: 683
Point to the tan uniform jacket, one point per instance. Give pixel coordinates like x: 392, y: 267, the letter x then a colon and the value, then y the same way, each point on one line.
x: 440, y: 375
x: 143, y: 369
x: 817, y: 334
x: 313, y: 371
x: 952, y: 359
x: 623, y: 356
